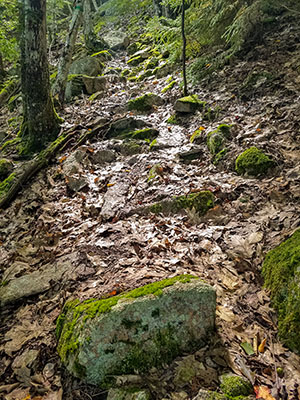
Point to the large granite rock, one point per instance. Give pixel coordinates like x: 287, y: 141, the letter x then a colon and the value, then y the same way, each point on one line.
x: 116, y: 40
x: 135, y: 331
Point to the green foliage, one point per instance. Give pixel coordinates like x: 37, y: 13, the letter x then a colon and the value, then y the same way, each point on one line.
x: 8, y: 30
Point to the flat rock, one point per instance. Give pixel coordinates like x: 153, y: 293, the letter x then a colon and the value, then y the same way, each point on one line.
x: 135, y: 331
x: 33, y: 283
x: 116, y: 40
x: 94, y: 84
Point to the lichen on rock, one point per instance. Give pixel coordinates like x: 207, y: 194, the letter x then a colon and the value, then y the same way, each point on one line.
x: 281, y: 271
x: 137, y: 330
x: 253, y: 161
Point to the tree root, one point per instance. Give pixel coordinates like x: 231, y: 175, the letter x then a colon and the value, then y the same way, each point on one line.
x: 44, y: 158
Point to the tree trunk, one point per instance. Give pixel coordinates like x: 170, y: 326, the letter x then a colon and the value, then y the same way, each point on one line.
x: 89, y: 35
x: 65, y: 60
x: 2, y: 70
x: 40, y: 121
x: 185, y: 90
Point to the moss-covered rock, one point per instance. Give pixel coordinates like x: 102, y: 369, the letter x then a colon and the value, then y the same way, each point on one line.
x: 6, y: 168
x: 234, y: 386
x: 189, y: 104
x: 134, y: 61
x: 281, y: 271
x: 168, y: 87
x: 151, y: 63
x: 145, y: 102
x: 103, y: 55
x: 137, y: 330
x: 253, y: 161
x: 200, y: 202
x: 7, y: 184
x: 131, y: 393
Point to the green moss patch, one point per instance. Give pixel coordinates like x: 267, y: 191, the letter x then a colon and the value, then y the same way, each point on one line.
x: 7, y: 184
x: 253, y: 162
x: 189, y: 104
x: 234, y: 386
x: 200, y: 202
x: 168, y: 87
x: 281, y: 271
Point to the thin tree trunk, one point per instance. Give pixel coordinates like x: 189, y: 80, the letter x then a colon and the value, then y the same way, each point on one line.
x: 40, y: 121
x: 89, y: 36
x: 185, y: 90
x: 65, y: 60
x: 2, y: 70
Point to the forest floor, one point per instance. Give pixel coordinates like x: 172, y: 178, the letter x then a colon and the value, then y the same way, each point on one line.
x: 91, y: 243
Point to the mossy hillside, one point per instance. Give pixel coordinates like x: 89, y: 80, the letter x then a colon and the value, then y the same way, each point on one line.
x: 74, y: 311
x: 281, y: 272
x: 200, y: 202
x: 253, y: 161
x: 6, y: 168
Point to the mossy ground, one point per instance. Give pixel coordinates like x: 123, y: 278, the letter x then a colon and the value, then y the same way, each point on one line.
x: 74, y: 310
x: 253, y: 162
x: 281, y: 271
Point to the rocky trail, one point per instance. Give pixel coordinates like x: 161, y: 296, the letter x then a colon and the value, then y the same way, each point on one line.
x: 82, y: 229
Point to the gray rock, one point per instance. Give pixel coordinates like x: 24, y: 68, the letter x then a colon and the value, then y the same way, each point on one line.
x: 33, y: 283
x: 126, y: 125
x: 114, y: 199
x: 136, y: 331
x: 76, y: 183
x: 103, y: 156
x: 128, y: 394
x: 94, y: 84
x: 116, y: 40
x: 87, y: 65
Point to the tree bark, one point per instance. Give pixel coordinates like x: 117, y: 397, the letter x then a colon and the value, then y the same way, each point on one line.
x: 65, y: 60
x: 185, y: 90
x: 89, y: 35
x: 2, y: 70
x: 40, y: 121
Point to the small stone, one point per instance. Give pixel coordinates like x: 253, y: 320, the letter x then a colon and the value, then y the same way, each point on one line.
x: 75, y: 182
x: 234, y: 385
x: 94, y: 84
x: 145, y: 102
x: 103, y: 156
x: 189, y: 104
x: 253, y: 162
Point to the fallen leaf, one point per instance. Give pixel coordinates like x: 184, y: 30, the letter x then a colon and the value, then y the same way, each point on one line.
x: 262, y: 392
x: 261, y: 347
x: 247, y: 348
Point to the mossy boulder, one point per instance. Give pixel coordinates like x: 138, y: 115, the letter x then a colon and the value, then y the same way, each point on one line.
x: 87, y: 65
x: 94, y: 84
x: 145, y: 103
x: 6, y: 168
x: 131, y: 393
x: 189, y: 104
x: 253, y: 161
x: 234, y: 386
x: 281, y: 272
x: 119, y: 128
x: 215, y: 140
x: 135, y: 331
x: 200, y: 202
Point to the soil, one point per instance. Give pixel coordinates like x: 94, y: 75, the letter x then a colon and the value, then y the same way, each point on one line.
x: 49, y: 225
